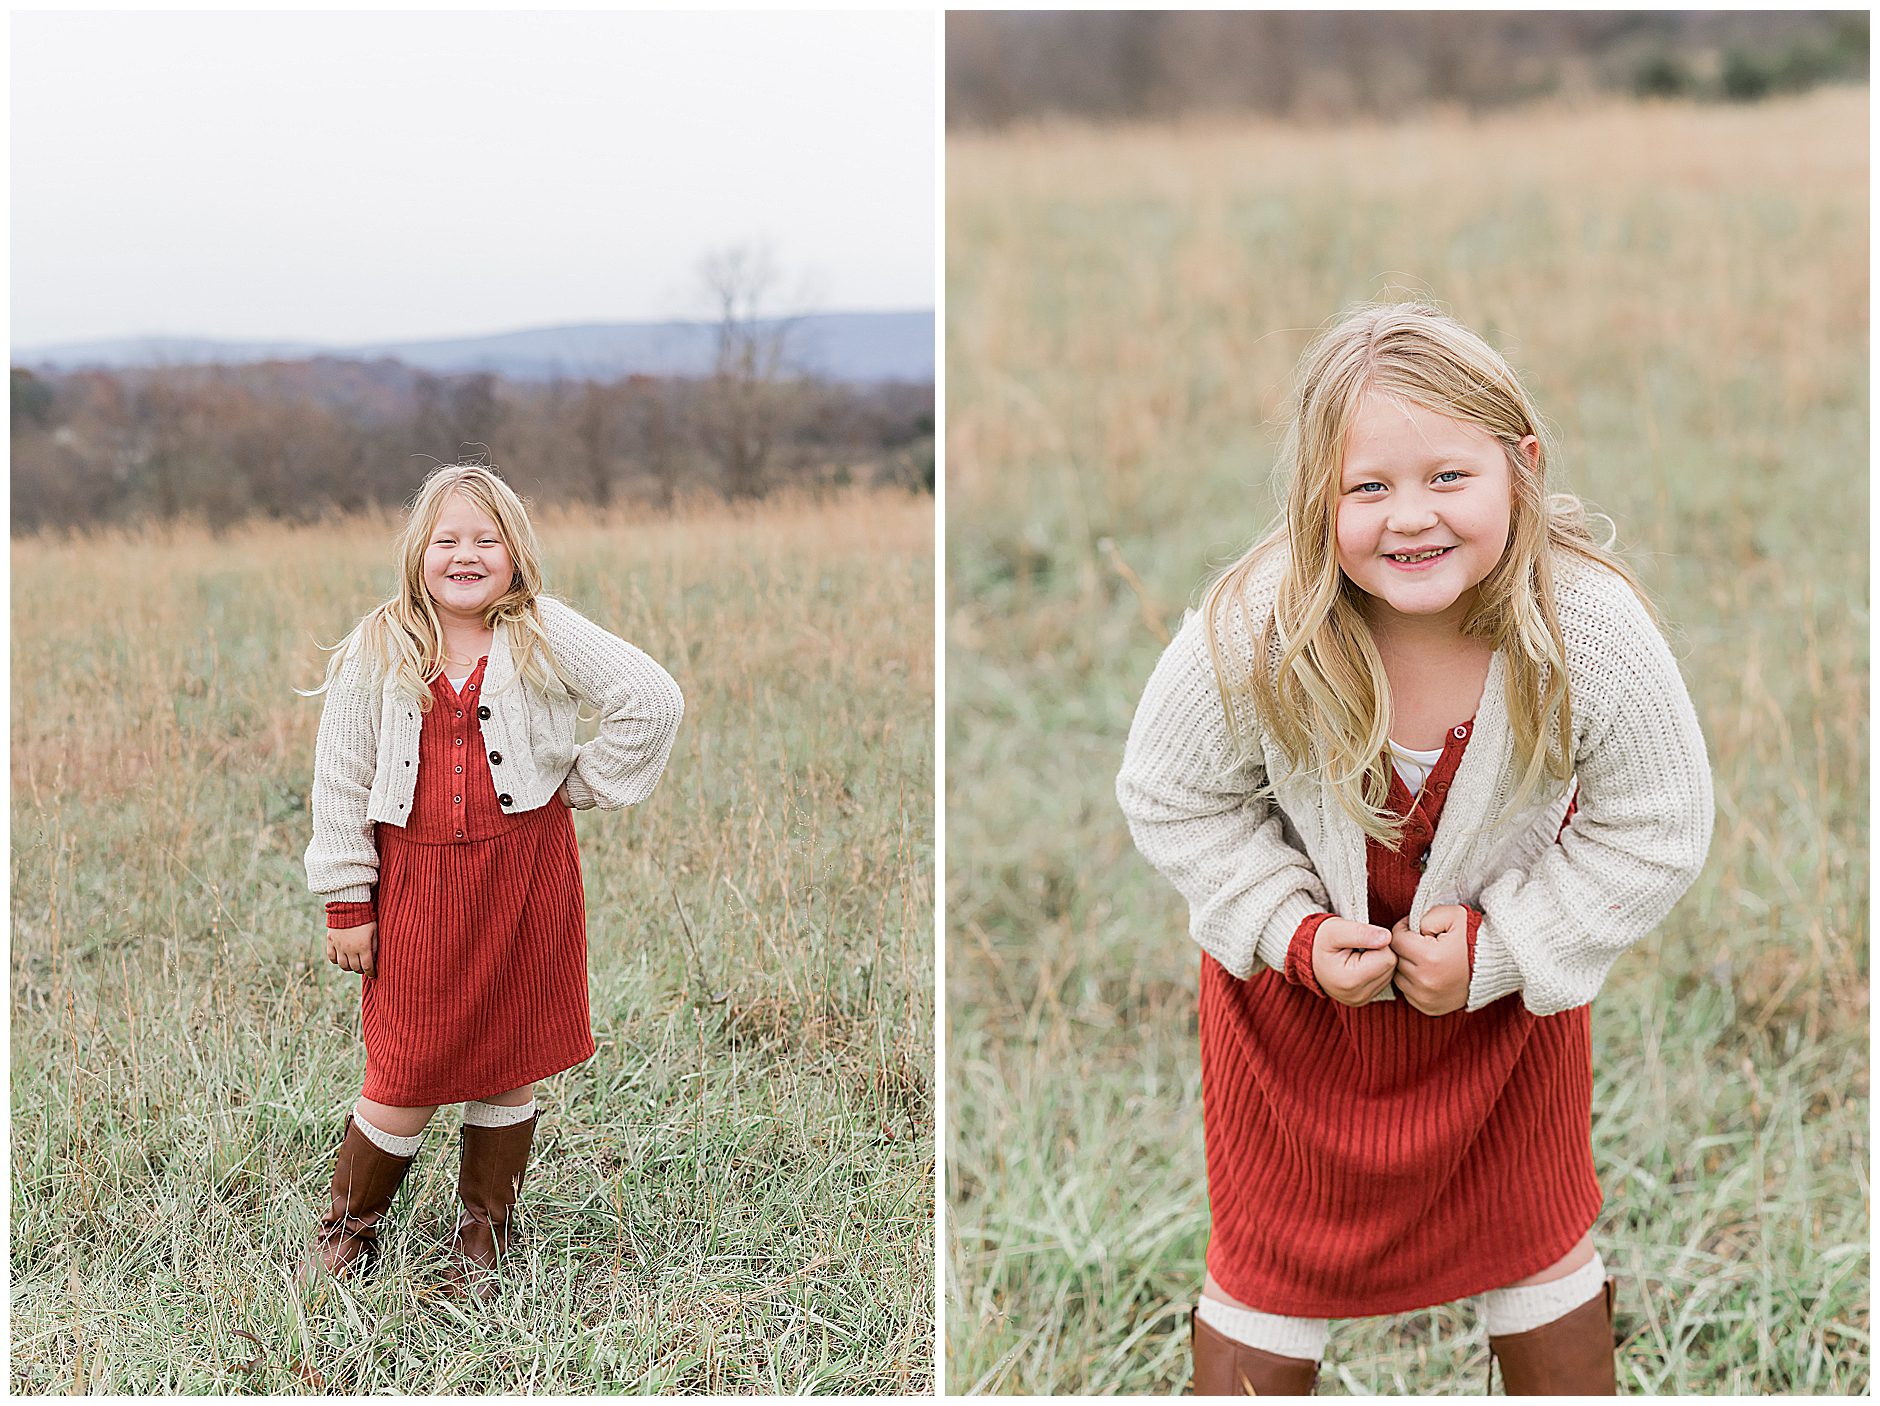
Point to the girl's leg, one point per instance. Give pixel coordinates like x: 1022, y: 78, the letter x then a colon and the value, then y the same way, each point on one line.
x: 373, y: 1156
x: 501, y: 1110
x: 1552, y: 1332
x: 498, y: 1132
x: 513, y: 1098
x: 397, y: 1130
x: 1240, y: 1351
x: 1567, y: 1263
x: 1272, y: 1332
x: 1577, y: 1278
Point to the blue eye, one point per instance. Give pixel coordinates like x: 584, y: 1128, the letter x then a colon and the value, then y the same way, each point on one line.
x: 1361, y: 487
x: 1449, y: 473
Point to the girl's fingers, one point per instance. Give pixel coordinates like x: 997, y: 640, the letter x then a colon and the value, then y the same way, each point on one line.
x: 1363, y: 963
x: 1363, y: 940
x: 1449, y: 916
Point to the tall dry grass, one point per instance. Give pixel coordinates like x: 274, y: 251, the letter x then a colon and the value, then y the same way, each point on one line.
x: 733, y: 1195
x: 1685, y: 290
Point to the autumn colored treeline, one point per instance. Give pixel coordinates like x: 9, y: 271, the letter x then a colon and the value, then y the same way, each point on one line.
x: 297, y: 440
x: 1131, y: 65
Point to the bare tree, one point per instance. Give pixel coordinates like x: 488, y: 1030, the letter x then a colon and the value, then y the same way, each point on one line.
x: 594, y: 429
x: 652, y: 413
x: 744, y: 405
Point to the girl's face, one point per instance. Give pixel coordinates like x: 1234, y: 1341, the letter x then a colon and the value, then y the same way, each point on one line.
x: 1417, y: 482
x: 466, y: 565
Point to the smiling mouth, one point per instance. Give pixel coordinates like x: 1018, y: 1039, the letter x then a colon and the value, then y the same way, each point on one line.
x: 462, y: 576
x: 1412, y: 558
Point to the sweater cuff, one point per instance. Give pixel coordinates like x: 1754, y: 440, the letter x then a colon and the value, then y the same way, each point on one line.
x: 1492, y: 972
x: 576, y: 792
x: 1273, y: 948
x: 1299, y: 955
x: 351, y: 915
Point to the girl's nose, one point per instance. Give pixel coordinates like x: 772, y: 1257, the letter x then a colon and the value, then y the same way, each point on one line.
x: 1410, y: 515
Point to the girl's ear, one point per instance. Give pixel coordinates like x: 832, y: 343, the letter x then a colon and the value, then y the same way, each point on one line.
x: 1530, y: 447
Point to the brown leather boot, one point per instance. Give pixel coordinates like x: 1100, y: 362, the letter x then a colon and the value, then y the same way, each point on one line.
x: 1224, y: 1367
x: 365, y: 1178
x: 488, y: 1182
x: 1571, y: 1356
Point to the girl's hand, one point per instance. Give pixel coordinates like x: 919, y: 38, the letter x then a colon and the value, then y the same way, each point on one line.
x: 1433, y: 965
x: 1352, y: 961
x: 353, y: 949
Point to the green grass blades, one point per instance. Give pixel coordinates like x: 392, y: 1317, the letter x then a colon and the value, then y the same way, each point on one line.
x: 734, y: 1195
x: 1684, y: 290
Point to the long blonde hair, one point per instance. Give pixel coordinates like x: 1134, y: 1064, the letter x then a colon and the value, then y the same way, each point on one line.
x: 402, y: 637
x: 1328, y: 704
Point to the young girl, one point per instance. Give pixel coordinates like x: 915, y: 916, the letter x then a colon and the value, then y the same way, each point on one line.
x: 443, y: 776
x: 1357, y: 763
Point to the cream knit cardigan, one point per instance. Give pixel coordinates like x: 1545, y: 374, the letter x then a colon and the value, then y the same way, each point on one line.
x: 1555, y: 917
x: 365, y: 762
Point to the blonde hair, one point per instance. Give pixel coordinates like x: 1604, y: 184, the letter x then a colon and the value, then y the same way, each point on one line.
x: 402, y: 637
x: 1327, y: 705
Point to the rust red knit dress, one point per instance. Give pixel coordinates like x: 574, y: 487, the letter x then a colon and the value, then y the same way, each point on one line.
x: 1372, y: 1159
x: 481, y: 971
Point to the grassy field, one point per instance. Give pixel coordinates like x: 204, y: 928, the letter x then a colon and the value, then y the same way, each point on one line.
x: 734, y: 1195
x: 1685, y: 291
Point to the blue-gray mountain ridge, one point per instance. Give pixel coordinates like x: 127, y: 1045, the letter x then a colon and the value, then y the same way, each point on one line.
x: 843, y: 346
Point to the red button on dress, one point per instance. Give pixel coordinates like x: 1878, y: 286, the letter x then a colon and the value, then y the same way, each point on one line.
x: 1372, y: 1159
x: 481, y: 973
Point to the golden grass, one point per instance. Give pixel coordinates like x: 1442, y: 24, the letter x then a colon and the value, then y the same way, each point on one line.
x: 733, y: 1195
x: 1684, y: 289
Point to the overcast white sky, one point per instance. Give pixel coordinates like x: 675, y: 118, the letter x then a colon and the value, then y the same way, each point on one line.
x: 345, y: 177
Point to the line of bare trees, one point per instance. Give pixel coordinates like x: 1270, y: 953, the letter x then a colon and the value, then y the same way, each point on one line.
x: 297, y: 440
x: 1010, y: 66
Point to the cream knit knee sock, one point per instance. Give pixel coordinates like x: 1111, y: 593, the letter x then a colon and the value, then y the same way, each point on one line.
x: 1517, y: 1310
x: 1270, y: 1332
x: 479, y: 1114
x: 390, y: 1142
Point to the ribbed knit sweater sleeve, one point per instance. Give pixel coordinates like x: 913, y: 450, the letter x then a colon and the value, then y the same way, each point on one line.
x: 640, y: 709
x: 342, y: 860
x: 1298, y: 969
x: 1638, y: 838
x: 1191, y: 809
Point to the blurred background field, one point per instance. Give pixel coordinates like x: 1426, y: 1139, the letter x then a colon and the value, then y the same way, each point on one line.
x: 734, y: 1195
x: 1685, y: 290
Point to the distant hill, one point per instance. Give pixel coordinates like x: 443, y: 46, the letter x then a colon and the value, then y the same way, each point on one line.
x: 848, y: 346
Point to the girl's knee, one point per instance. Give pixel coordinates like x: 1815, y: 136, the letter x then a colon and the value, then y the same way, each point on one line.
x: 394, y: 1119
x: 1580, y: 1254
x: 512, y: 1098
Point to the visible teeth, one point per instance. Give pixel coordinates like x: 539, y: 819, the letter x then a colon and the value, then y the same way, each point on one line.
x: 1420, y: 556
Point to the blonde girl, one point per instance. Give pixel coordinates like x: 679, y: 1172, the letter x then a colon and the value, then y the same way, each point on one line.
x: 444, y: 773
x: 1423, y: 767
